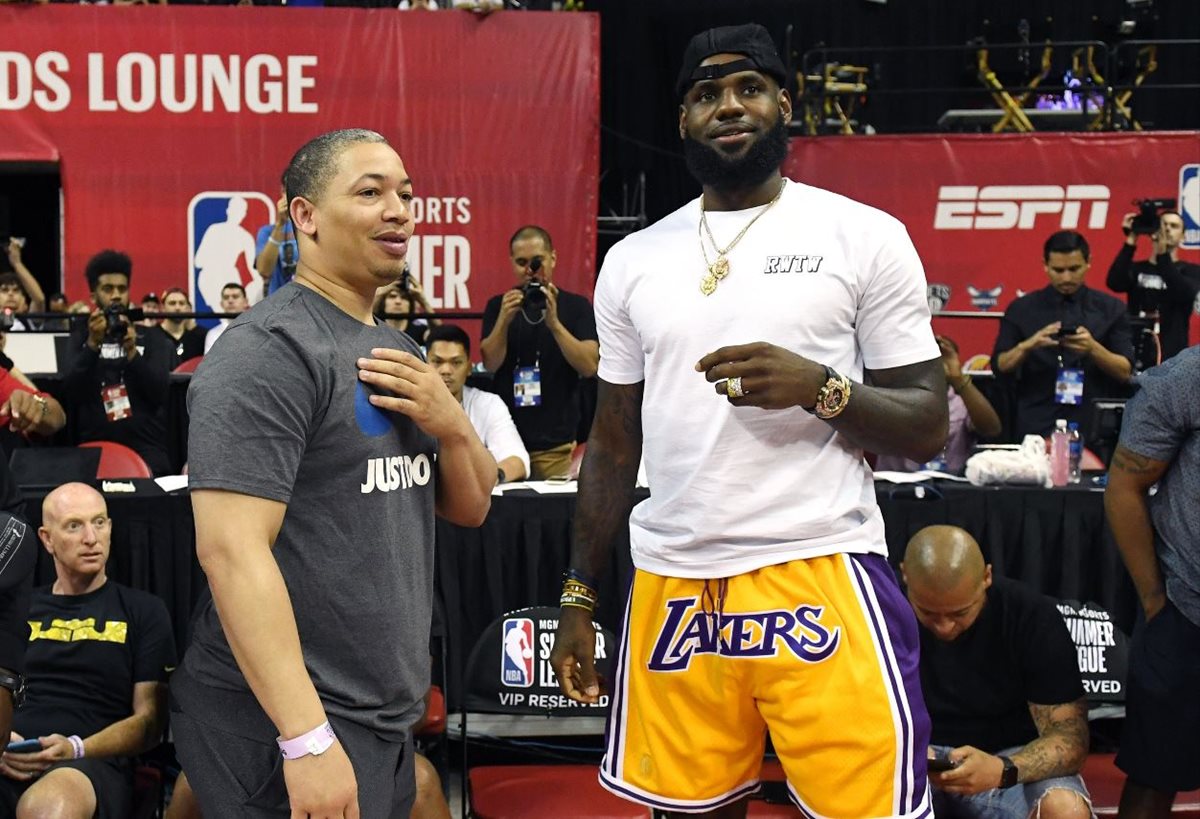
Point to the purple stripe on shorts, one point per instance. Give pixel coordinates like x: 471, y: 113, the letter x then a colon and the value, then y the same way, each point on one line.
x: 612, y: 755
x: 901, y: 626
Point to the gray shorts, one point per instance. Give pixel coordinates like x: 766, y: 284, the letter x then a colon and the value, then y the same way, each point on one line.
x: 236, y: 775
x: 1016, y: 802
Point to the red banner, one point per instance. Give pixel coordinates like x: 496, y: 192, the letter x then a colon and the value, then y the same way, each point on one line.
x: 174, y: 123
x: 979, y: 208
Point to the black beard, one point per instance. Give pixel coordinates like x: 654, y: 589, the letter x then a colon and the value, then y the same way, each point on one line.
x: 712, y: 169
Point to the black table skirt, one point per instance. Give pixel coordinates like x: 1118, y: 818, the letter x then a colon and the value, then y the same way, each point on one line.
x: 1054, y: 540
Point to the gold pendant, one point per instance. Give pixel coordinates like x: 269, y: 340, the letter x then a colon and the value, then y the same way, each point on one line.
x: 719, y: 268
x: 708, y: 285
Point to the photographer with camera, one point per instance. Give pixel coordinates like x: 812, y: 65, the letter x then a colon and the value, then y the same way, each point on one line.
x: 1060, y: 346
x: 538, y: 341
x: 276, y: 252
x: 1162, y: 290
x: 116, y: 384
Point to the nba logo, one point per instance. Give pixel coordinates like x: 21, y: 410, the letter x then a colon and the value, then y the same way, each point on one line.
x: 516, y: 660
x: 221, y: 228
x: 1189, y: 204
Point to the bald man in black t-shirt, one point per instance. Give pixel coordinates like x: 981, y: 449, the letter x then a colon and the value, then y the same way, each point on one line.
x: 96, y: 670
x: 999, y: 674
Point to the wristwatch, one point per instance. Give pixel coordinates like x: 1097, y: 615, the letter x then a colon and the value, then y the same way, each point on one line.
x: 833, y: 396
x: 1008, y: 777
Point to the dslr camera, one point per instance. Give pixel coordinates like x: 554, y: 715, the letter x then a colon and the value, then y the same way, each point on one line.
x: 533, y: 296
x: 114, y: 330
x: 534, y: 292
x: 1149, y: 215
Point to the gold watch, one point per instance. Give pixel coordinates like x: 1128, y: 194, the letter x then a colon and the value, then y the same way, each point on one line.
x: 833, y: 396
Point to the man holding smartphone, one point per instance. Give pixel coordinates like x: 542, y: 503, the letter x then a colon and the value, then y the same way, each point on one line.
x: 1063, y: 345
x: 96, y: 669
x: 999, y: 674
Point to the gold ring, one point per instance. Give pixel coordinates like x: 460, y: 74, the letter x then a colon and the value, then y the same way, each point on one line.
x: 733, y: 387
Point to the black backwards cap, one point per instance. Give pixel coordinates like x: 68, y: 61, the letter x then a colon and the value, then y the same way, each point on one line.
x: 749, y: 39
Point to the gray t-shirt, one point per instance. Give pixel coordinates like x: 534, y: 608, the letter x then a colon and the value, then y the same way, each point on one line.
x: 1163, y: 422
x: 278, y: 412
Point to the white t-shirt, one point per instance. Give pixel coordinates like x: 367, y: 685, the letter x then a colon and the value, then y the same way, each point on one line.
x: 734, y: 489
x: 214, y: 332
x: 494, y: 425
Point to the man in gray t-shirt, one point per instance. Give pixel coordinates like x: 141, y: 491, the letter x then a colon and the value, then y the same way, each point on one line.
x: 1159, y: 539
x: 321, y: 444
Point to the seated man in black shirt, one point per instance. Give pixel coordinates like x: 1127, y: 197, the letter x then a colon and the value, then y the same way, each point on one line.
x: 1063, y: 345
x: 1000, y: 679
x: 96, y: 670
x: 539, y: 344
x: 1160, y: 287
x: 116, y: 383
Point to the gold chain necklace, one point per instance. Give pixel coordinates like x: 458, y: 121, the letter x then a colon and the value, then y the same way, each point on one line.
x: 719, y: 269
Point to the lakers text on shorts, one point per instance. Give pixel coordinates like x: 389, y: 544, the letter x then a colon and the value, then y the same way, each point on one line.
x: 822, y: 652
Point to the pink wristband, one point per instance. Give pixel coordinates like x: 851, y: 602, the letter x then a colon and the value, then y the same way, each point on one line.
x: 315, y: 742
x: 76, y: 746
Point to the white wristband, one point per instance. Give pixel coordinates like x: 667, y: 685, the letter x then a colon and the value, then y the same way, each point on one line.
x: 76, y: 746
x: 315, y: 742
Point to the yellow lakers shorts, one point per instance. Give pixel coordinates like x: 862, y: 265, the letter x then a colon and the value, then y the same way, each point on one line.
x: 823, y: 653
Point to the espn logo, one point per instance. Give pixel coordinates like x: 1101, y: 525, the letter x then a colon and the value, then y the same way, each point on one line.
x: 1003, y: 207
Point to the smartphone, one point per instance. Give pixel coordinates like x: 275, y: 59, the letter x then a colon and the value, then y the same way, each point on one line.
x: 24, y: 746
x: 1066, y: 330
x: 940, y: 764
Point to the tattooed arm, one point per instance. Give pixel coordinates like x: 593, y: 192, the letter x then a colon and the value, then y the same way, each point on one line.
x: 1062, y: 743
x: 1059, y: 750
x: 1129, y: 479
x: 606, y: 484
x: 607, y: 475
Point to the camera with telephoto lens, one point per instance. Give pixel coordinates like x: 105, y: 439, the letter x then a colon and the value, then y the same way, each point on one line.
x: 114, y: 328
x: 1149, y: 215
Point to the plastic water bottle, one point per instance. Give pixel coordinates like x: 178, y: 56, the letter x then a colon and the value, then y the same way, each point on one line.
x: 1060, y: 453
x: 1074, y: 452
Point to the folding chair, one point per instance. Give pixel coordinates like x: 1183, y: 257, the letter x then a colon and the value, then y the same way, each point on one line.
x: 511, y: 696
x: 118, y: 461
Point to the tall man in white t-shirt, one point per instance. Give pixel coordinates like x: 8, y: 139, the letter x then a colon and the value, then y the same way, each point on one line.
x: 755, y: 343
x: 450, y: 354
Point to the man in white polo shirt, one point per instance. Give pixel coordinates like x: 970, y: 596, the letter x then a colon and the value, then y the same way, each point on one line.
x: 754, y: 343
x: 450, y: 354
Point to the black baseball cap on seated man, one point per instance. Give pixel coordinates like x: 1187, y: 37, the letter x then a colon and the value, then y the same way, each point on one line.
x: 750, y: 39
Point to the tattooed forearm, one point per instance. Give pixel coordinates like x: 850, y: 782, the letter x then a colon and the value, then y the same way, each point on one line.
x: 608, y: 475
x: 1062, y: 743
